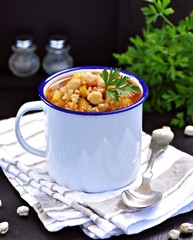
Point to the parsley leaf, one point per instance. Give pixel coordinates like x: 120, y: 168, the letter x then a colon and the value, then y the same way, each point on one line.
x: 163, y: 57
x: 117, y: 84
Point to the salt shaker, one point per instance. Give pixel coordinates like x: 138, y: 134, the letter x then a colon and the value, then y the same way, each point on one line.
x: 57, y: 57
x: 24, y: 62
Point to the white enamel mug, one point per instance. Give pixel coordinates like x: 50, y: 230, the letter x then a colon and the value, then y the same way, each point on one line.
x: 91, y: 152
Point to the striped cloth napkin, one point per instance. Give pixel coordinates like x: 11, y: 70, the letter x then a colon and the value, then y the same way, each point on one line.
x: 99, y: 215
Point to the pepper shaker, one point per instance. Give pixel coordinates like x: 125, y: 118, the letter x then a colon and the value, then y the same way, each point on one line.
x: 57, y: 57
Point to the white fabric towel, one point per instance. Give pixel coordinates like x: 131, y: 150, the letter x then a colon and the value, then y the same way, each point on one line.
x: 99, y: 215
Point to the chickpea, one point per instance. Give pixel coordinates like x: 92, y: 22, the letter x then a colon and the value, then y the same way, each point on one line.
x: 74, y: 83
x: 100, y: 83
x: 90, y: 78
x: 95, y: 97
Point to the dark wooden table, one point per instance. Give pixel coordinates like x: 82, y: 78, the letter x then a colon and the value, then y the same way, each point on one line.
x: 31, y: 228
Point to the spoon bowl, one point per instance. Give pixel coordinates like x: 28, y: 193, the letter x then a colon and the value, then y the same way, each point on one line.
x: 134, y: 199
x: 144, y: 196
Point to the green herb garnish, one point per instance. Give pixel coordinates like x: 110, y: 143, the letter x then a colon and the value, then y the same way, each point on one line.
x: 117, y: 84
x: 164, y: 57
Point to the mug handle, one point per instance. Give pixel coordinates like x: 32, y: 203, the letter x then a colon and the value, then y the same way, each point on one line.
x: 26, y: 107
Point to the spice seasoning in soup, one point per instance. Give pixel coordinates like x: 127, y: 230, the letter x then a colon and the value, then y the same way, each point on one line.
x: 94, y: 91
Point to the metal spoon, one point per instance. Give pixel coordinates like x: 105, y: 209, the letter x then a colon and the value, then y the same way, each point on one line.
x: 144, y: 196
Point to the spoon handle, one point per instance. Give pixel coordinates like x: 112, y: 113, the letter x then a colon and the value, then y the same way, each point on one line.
x: 148, y: 172
x: 160, y: 140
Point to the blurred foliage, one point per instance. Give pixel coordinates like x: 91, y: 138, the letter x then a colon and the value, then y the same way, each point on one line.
x: 163, y: 57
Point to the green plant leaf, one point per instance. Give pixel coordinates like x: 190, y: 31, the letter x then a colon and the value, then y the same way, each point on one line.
x: 165, y: 3
x: 168, y: 11
x: 117, y: 84
x: 112, y: 94
x: 178, y: 120
x: 151, y: 1
x: 163, y: 57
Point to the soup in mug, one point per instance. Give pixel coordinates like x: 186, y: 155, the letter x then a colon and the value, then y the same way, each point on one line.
x: 94, y: 91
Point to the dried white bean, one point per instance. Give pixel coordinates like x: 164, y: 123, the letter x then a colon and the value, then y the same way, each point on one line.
x: 167, y: 128
x: 23, y: 211
x: 4, y: 227
x: 186, y: 228
x: 188, y: 130
x: 174, y: 234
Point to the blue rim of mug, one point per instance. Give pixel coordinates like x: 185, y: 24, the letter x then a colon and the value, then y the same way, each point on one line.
x: 52, y: 77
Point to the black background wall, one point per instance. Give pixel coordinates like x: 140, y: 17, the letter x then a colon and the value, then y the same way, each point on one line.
x: 96, y: 29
